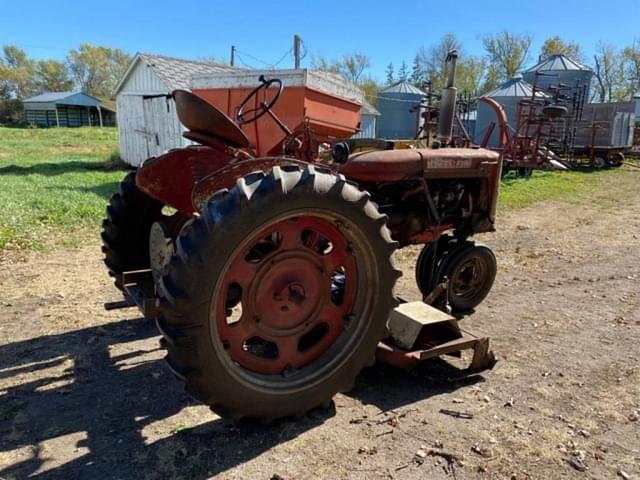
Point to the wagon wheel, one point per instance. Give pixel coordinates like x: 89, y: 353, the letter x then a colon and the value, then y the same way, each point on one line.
x: 525, y: 172
x: 299, y: 290
x: 615, y: 159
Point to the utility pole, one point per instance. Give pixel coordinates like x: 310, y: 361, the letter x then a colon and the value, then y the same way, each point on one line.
x: 233, y: 55
x: 296, y: 50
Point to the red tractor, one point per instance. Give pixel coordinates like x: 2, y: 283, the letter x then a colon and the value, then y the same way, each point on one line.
x: 271, y: 276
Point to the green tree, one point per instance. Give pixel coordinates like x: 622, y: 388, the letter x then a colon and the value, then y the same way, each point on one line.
x: 631, y: 58
x: 16, y: 82
x: 557, y: 46
x: 432, y: 60
x: 96, y: 70
x: 17, y: 72
x: 319, y: 62
x: 417, y: 75
x: 470, y: 74
x: 403, y: 72
x: 507, y: 52
x: 389, y: 74
x: 609, y: 73
x: 353, y: 65
x: 370, y: 88
x: 52, y: 76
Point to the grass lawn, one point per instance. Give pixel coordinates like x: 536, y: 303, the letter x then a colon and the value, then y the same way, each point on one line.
x: 55, y: 183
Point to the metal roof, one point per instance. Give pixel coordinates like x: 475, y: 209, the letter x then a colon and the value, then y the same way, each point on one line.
x: 175, y: 73
x: 558, y: 62
x: 65, y: 98
x: 403, y: 87
x: 515, y: 87
x: 368, y: 109
x: 50, y: 97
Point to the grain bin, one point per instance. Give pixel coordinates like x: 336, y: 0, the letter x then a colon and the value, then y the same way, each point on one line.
x: 560, y: 70
x: 508, y: 95
x: 399, y: 106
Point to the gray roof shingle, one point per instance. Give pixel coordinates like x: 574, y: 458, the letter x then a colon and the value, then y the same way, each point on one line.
x: 177, y: 73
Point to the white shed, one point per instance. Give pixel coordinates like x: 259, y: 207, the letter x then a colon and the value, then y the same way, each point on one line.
x: 368, y: 116
x: 147, y: 120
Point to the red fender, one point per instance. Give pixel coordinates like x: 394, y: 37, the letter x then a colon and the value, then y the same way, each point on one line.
x: 502, y: 121
x: 170, y: 178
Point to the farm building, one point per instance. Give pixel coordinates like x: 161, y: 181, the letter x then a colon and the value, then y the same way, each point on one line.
x: 147, y: 120
x: 368, y: 116
x: 509, y: 94
x: 399, y: 105
x: 67, y: 109
x: 559, y: 71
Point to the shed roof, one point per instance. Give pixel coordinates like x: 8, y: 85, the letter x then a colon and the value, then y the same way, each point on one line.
x: 175, y: 73
x: 515, y: 87
x: 368, y: 109
x: 62, y: 98
x: 403, y: 87
x: 558, y: 62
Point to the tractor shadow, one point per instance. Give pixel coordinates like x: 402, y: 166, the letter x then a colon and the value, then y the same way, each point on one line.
x: 108, y: 394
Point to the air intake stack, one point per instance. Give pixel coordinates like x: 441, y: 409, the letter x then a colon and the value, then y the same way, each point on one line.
x: 448, y: 101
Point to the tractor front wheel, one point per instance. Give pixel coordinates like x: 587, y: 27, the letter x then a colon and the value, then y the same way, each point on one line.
x: 278, y: 293
x: 470, y: 269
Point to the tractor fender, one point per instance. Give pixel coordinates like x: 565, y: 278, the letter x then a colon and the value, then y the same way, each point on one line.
x: 226, y: 177
x: 170, y: 178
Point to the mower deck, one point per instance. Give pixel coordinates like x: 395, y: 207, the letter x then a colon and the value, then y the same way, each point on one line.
x: 419, y: 331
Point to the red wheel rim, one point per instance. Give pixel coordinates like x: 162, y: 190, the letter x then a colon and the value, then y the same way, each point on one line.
x: 287, y: 295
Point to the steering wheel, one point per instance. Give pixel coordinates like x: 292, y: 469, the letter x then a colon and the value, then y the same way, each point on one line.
x: 247, y: 116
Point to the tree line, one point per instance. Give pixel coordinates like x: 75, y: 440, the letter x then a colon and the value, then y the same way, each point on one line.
x: 94, y: 70
x: 506, y: 54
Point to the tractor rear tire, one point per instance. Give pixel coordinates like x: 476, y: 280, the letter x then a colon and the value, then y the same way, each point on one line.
x: 125, y: 230
x: 255, y: 319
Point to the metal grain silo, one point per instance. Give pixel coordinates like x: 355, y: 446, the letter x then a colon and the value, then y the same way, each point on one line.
x: 399, y: 111
x: 508, y: 95
x: 573, y: 78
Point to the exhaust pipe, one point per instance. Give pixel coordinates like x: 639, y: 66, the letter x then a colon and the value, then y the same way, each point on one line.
x: 448, y: 101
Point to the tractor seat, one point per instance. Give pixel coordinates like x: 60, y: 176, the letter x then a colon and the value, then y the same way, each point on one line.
x: 384, y: 165
x: 205, y: 121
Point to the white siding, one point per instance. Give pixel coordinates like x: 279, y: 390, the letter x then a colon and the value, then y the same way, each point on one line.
x: 143, y: 81
x: 148, y: 126
x: 367, y: 127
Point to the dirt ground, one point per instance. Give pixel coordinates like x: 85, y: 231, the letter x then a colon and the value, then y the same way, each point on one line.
x: 84, y: 393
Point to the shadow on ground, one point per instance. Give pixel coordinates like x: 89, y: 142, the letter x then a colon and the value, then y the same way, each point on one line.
x: 60, y: 168
x: 110, y: 406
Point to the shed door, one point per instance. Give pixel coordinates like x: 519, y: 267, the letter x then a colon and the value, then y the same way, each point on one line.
x: 160, y: 130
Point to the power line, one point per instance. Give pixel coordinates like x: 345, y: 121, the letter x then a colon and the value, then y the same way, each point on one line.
x: 268, y: 65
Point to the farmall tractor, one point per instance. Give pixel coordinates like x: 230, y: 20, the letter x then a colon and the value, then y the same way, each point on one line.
x: 265, y: 253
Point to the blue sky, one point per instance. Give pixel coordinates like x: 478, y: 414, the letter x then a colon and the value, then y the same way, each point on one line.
x: 386, y: 31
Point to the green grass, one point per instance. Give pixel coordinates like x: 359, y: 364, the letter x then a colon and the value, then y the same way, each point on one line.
x: 578, y: 186
x: 54, y: 184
